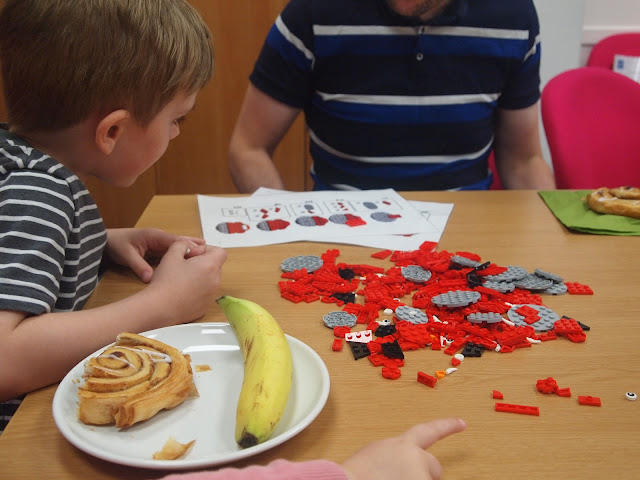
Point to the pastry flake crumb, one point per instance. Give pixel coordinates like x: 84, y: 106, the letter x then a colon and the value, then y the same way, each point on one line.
x: 173, y: 450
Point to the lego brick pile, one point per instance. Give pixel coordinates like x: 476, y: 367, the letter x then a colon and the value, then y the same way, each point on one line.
x: 458, y: 304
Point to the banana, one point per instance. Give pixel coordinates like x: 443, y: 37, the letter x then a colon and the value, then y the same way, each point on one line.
x: 267, y: 369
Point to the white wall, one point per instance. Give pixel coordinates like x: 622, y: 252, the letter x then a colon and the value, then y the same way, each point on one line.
x: 607, y: 17
x: 561, y: 30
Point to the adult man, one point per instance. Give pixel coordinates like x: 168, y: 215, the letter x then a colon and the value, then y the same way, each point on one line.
x: 408, y: 94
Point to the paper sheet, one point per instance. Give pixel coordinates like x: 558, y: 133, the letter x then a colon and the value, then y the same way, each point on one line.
x: 374, y: 218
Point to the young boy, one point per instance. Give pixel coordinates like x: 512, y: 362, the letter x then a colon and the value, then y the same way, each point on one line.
x: 91, y: 88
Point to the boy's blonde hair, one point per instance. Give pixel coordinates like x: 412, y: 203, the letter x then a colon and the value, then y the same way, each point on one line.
x: 63, y: 60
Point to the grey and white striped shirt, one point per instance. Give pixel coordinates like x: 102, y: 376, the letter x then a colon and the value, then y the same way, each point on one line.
x: 51, y: 234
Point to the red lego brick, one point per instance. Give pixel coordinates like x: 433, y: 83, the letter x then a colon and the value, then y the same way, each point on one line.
x: 455, y: 346
x: 530, y: 319
x: 427, y: 380
x: 392, y: 373
x: 563, y: 392
x: 341, y: 331
x: 527, y: 311
x: 497, y: 395
x: 374, y: 347
x: 577, y: 337
x: 548, y: 385
x: 428, y: 246
x: 545, y: 337
x: 567, y: 326
x: 492, y: 269
x: 408, y: 346
x: 522, y: 409
x: 575, y: 288
x: 589, y: 400
x: 337, y: 345
x: 414, y: 333
x: 382, y: 254
x: 512, y: 337
x: 393, y: 362
x: 376, y: 359
x: 471, y: 256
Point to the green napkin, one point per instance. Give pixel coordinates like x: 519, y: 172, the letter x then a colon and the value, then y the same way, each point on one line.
x: 570, y: 208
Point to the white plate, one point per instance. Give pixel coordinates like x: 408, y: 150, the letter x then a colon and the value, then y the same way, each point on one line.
x: 210, y: 418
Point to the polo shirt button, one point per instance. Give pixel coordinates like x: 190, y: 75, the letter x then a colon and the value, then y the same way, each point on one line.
x: 419, y: 57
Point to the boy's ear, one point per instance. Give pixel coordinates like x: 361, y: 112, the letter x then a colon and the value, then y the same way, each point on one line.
x: 109, y: 130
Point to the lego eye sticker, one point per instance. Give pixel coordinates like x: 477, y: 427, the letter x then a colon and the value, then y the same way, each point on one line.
x: 281, y: 217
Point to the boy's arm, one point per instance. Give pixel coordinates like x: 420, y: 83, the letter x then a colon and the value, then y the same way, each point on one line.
x: 41, y: 349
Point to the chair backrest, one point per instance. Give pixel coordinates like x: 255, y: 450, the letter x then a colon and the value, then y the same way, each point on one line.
x: 496, y: 184
x: 591, y: 118
x: 604, y: 51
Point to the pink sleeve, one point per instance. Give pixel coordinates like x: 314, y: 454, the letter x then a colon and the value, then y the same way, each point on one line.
x: 276, y: 470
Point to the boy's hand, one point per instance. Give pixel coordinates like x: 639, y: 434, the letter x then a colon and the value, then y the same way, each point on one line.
x: 405, y: 456
x: 130, y: 246
x: 187, y: 283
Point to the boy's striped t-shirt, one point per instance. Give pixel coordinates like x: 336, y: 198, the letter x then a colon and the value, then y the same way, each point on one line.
x: 52, y: 236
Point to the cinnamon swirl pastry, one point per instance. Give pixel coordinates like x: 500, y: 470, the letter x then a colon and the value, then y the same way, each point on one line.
x: 628, y: 193
x: 133, y: 380
x: 615, y: 201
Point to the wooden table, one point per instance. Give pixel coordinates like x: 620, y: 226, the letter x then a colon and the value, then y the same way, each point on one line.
x: 567, y: 440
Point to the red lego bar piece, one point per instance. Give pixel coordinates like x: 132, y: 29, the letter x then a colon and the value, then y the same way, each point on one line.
x: 589, y: 400
x: 522, y: 409
x: 427, y: 380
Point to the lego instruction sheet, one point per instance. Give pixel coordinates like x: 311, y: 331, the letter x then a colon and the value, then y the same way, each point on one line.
x: 374, y: 218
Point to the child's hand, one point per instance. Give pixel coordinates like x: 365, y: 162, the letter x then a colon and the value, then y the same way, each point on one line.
x: 185, y: 283
x: 405, y: 456
x: 129, y: 247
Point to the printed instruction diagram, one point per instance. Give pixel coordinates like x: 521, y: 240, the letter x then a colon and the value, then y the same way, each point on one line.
x: 270, y: 216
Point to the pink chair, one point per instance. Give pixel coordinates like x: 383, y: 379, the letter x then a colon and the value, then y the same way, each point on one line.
x: 591, y: 118
x: 496, y: 184
x: 604, y: 51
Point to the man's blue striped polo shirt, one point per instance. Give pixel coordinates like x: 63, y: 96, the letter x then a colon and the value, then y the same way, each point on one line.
x: 391, y: 102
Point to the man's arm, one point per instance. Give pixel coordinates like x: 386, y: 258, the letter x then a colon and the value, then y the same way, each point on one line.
x: 261, y: 125
x: 518, y: 153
